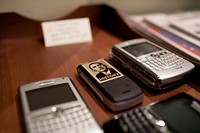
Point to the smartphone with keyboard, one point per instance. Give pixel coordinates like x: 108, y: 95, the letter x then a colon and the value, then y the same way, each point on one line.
x: 54, y: 105
x: 177, y: 114
x: 154, y: 65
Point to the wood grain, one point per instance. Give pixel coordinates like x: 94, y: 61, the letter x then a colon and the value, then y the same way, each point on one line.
x: 23, y: 59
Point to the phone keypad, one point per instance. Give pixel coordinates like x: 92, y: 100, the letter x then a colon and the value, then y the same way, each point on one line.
x: 162, y: 61
x: 136, y: 122
x: 74, y: 120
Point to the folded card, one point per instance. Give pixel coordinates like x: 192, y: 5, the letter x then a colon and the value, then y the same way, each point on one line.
x: 70, y: 31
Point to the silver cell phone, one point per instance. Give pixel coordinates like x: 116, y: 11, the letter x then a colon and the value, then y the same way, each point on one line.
x: 154, y: 65
x: 179, y: 113
x: 54, y: 105
x: 113, y: 88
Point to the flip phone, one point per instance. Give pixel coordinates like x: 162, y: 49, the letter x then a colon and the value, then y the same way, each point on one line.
x: 116, y: 91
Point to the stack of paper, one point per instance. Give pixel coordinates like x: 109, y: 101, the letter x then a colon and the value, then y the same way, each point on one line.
x: 180, y: 30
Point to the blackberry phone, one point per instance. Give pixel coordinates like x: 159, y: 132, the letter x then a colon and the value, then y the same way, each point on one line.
x: 54, y: 105
x: 152, y: 64
x: 177, y: 114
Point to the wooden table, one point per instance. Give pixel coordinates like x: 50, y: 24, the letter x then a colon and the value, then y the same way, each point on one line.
x: 23, y: 59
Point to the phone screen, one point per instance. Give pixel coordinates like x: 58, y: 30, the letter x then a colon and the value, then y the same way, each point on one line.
x: 141, y: 49
x: 180, y: 113
x: 48, y: 96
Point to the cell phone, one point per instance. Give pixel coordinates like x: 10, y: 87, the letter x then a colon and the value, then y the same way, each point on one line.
x: 179, y: 113
x: 54, y: 105
x: 154, y: 65
x: 113, y: 88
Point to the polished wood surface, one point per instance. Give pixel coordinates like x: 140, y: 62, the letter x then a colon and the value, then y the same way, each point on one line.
x: 24, y: 59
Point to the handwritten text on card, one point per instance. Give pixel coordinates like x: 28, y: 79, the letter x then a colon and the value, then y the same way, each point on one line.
x: 69, y: 31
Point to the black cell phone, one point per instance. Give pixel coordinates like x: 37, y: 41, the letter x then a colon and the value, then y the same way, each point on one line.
x: 116, y: 90
x: 177, y: 114
x: 54, y: 105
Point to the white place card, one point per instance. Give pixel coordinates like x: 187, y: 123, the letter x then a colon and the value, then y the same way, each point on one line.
x: 70, y: 31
